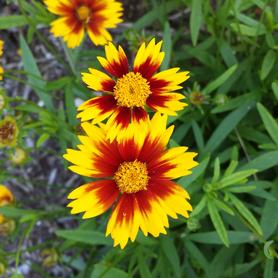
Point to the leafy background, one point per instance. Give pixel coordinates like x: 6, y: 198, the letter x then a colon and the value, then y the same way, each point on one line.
x: 230, y: 48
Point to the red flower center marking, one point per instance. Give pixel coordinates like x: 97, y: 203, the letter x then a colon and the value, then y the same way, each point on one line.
x: 132, y: 176
x: 84, y: 14
x: 132, y: 90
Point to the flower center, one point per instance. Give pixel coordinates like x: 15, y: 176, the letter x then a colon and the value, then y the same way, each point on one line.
x: 132, y: 90
x: 132, y: 177
x: 83, y: 13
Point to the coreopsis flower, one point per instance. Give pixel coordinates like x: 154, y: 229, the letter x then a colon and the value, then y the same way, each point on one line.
x: 127, y: 93
x: 1, y: 53
x: 134, y: 175
x: 6, y: 197
x: 8, y: 132
x: 79, y: 16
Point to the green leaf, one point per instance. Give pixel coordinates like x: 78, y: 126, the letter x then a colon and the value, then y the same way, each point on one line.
x: 196, y: 18
x: 236, y: 178
x: 262, y: 162
x: 268, y: 222
x: 235, y: 237
x: 220, y: 80
x: 143, y: 267
x: 269, y: 122
x: 223, y: 206
x: 236, y: 102
x: 171, y: 254
x: 248, y: 30
x: 274, y: 86
x: 198, y: 135
x: 43, y: 138
x: 246, y: 213
x: 11, y: 21
x: 218, y: 222
x: 34, y: 76
x: 167, y: 46
x: 107, y: 271
x: 268, y: 63
x: 226, y: 127
x: 157, y: 13
x: 201, y: 205
x: 195, y: 253
x: 216, y: 170
x: 70, y: 105
x: 88, y: 237
x: 269, y: 268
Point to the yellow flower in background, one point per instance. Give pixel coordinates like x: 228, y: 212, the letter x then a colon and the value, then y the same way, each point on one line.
x: 135, y: 174
x: 80, y: 16
x: 128, y: 92
x: 6, y: 198
x: 8, y: 132
x: 1, y: 53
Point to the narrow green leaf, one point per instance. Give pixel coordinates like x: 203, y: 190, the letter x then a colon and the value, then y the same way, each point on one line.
x: 236, y: 178
x: 268, y: 222
x: 201, y: 205
x: 226, y: 127
x: 235, y: 237
x: 198, y: 135
x: 34, y: 76
x: 143, y: 267
x: 269, y: 122
x: 171, y: 254
x: 107, y: 271
x: 196, y: 18
x: 269, y: 268
x: 268, y: 63
x: 249, y: 31
x: 154, y: 14
x: 218, y: 222
x: 196, y: 254
x: 70, y: 105
x: 274, y: 86
x: 220, y: 80
x: 262, y: 162
x: 11, y: 21
x: 246, y: 213
x: 88, y: 237
x: 223, y: 206
x: 167, y: 46
x: 216, y: 170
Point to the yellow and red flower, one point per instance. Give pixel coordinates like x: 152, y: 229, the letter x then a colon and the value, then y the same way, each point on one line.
x: 1, y: 53
x: 78, y: 16
x: 135, y: 174
x: 6, y: 197
x: 128, y: 92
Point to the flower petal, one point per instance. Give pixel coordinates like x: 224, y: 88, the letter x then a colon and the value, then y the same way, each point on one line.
x: 148, y: 59
x: 168, y: 80
x: 93, y: 198
x: 116, y: 62
x: 167, y: 103
x: 117, y: 125
x: 98, y: 108
x: 98, y: 81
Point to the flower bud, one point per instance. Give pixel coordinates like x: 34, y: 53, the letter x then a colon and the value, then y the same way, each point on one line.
x: 18, y: 156
x: 49, y: 257
x: 8, y: 132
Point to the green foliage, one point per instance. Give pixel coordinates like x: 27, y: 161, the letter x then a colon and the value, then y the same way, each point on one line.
x: 231, y: 121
